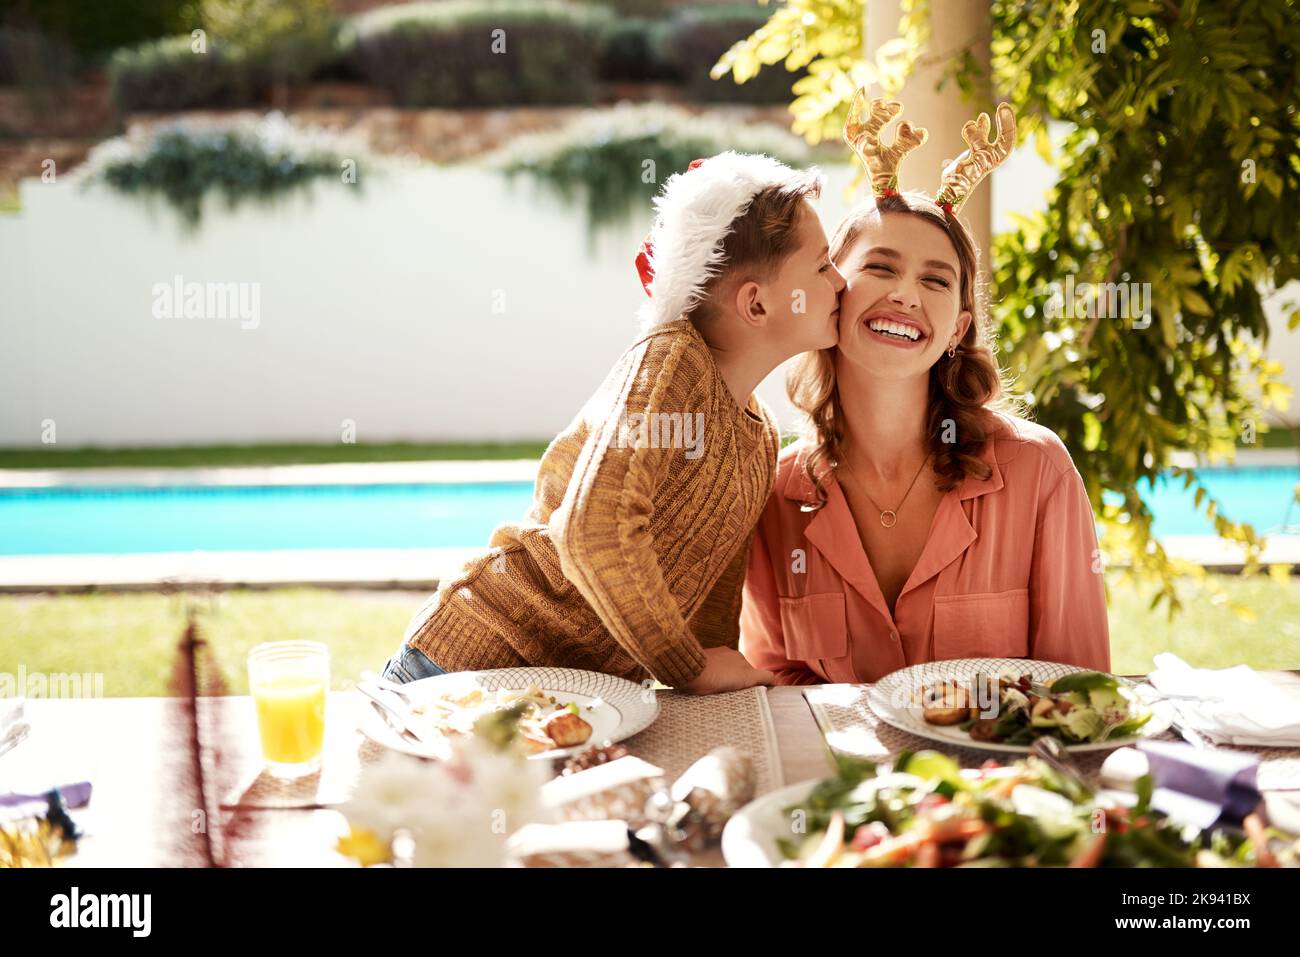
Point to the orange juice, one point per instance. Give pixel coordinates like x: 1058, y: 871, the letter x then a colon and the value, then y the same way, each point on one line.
x: 290, y: 681
x: 291, y: 716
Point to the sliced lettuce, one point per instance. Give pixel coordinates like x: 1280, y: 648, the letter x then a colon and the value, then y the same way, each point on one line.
x: 932, y: 766
x: 1085, y: 681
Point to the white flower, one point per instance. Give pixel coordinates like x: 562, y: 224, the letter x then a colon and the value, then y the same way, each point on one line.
x: 459, y: 813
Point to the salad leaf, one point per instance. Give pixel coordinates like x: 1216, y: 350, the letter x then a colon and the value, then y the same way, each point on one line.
x: 1085, y: 681
x: 1130, y: 726
x: 933, y: 766
x: 1144, y: 786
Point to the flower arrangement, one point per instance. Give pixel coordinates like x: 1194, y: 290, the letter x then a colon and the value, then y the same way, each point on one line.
x: 408, y: 811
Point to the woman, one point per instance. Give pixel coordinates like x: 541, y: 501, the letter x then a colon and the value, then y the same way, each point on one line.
x: 920, y: 519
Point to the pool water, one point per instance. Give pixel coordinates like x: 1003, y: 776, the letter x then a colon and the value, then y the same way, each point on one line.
x: 1264, y: 497
x: 134, y: 520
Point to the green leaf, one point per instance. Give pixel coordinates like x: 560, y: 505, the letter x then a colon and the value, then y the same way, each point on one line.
x: 1084, y: 681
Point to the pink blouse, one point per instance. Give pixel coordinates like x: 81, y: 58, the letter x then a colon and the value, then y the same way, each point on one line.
x: 1011, y: 568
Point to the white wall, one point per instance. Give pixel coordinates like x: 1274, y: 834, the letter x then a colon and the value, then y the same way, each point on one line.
x: 374, y: 308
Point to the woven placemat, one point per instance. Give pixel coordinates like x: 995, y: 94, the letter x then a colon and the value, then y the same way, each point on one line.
x: 690, y: 726
x: 851, y: 727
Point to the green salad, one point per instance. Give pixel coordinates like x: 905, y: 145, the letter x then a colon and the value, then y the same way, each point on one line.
x: 1085, y: 706
x: 925, y: 811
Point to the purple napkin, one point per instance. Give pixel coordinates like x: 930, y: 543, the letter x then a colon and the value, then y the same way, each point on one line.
x: 18, y: 804
x: 1201, y: 787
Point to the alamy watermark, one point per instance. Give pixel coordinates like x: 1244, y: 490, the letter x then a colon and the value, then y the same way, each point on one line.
x: 179, y: 299
x: 45, y: 684
x: 1099, y: 300
x: 663, y: 430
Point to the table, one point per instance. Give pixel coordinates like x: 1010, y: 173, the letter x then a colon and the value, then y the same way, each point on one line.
x: 146, y: 810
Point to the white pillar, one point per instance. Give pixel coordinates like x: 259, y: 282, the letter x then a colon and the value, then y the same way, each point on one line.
x: 954, y: 26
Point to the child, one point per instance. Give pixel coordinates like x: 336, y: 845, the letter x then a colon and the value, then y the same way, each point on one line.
x: 631, y: 560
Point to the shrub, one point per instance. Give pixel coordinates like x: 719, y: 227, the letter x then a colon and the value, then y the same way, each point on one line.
x: 612, y: 162
x: 442, y: 54
x: 169, y: 75
x: 695, y: 38
x: 241, y: 160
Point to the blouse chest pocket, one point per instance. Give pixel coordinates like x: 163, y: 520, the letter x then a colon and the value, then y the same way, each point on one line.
x: 815, y: 627
x: 987, y: 625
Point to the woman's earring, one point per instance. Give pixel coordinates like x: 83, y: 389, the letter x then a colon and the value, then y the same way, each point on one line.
x: 952, y: 349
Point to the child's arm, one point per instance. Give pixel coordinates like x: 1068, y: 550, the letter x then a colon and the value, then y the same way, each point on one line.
x: 716, y: 623
x: 601, y: 530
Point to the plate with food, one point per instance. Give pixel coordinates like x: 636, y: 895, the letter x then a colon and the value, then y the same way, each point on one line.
x: 926, y: 811
x: 559, y: 712
x: 1004, y: 704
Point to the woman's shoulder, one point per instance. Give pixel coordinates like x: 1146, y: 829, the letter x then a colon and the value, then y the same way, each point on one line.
x: 1020, y: 445
x: 793, y: 486
x: 790, y: 460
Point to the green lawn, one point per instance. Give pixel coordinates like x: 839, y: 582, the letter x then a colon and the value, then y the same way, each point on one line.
x: 130, y: 637
x: 49, y: 457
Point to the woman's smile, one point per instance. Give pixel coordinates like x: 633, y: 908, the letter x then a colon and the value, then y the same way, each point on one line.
x: 895, y: 330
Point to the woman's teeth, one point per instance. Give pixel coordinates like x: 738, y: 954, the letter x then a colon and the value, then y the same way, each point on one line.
x: 896, y: 329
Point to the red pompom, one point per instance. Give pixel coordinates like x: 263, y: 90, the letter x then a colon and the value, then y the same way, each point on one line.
x: 643, y: 267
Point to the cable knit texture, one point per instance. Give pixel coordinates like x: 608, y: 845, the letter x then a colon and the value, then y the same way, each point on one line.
x: 632, y: 558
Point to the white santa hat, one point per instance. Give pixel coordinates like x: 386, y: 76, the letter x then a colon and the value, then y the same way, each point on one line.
x: 695, y: 211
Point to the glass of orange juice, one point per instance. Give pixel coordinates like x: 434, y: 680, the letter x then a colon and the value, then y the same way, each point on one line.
x: 289, y: 681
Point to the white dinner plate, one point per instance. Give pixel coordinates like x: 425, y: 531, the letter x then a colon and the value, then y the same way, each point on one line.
x: 750, y: 836
x: 895, y: 699
x: 618, y: 708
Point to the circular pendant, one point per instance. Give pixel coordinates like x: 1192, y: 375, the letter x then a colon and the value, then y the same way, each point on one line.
x: 889, y: 518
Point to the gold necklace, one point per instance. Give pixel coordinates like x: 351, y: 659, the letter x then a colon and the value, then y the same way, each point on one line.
x: 892, y: 512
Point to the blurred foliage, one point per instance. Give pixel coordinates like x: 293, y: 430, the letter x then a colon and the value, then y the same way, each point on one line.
x: 644, y: 9
x: 288, y: 40
x: 824, y: 37
x: 169, y: 74
x: 1181, y: 169
x: 492, y: 53
x: 94, y: 29
x: 241, y: 162
x: 247, y: 49
x: 629, y: 52
x: 35, y: 61
x: 611, y: 163
x: 691, y: 41
x: 439, y: 52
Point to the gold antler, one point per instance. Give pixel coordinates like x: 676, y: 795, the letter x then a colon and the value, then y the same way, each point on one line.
x: 862, y: 133
x: 962, y: 175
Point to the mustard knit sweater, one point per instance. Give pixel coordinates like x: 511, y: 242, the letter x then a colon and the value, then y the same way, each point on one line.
x: 632, y: 557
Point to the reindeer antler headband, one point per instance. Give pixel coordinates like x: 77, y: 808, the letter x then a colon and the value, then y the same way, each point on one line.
x: 862, y: 131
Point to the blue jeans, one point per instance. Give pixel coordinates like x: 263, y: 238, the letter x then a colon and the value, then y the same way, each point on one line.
x: 410, y: 664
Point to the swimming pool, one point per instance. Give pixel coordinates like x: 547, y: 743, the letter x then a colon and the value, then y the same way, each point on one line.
x: 83, y: 520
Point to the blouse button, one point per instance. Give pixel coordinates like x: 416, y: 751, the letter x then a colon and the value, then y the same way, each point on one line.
x: 893, y: 636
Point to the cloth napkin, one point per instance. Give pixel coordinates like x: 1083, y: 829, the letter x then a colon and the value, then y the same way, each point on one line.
x: 1192, y: 785
x: 1229, y: 706
x: 20, y: 804
x: 1203, y: 787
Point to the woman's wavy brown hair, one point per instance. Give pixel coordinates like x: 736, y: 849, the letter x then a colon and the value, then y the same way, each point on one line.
x: 966, y: 388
